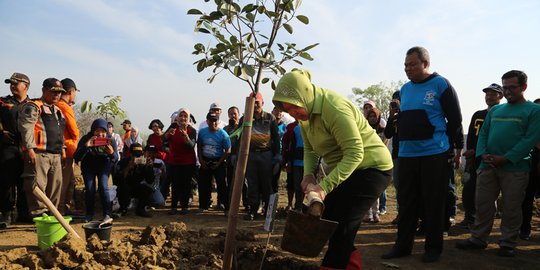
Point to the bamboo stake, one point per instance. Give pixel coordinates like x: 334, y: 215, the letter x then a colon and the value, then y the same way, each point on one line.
x: 42, y: 197
x: 239, y: 175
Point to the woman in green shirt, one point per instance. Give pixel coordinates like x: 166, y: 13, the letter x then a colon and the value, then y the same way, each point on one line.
x: 360, y: 164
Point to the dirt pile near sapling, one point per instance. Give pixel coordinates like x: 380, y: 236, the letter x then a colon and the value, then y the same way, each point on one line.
x: 170, y: 246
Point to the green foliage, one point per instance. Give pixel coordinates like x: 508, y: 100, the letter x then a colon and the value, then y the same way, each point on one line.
x: 380, y: 93
x: 109, y: 108
x: 241, y: 46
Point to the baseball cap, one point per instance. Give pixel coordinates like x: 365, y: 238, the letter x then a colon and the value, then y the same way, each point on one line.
x: 212, y: 117
x: 68, y: 83
x: 126, y: 122
x: 136, y: 149
x: 53, y: 84
x: 215, y: 106
x: 494, y: 87
x: 17, y: 77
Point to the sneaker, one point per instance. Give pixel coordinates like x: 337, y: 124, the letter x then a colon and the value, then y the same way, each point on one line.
x: 106, y: 220
x: 469, y: 245
x: 382, y: 212
x: 506, y: 252
x: 184, y: 211
x: 376, y: 218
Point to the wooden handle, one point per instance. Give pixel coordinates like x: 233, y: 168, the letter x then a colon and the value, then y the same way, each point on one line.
x: 42, y: 197
x: 315, y: 204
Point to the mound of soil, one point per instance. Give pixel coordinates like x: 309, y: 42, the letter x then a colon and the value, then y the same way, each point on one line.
x: 170, y: 246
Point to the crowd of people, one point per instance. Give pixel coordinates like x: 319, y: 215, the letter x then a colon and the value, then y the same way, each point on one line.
x: 416, y: 148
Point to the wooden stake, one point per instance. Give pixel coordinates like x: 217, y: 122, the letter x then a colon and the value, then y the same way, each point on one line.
x: 239, y: 175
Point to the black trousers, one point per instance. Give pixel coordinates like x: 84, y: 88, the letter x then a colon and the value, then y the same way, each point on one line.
x: 423, y: 188
x: 181, y: 185
x: 205, y: 186
x: 11, y: 186
x: 347, y: 204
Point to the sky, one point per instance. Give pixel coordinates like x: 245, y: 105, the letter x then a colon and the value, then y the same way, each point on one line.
x: 141, y: 50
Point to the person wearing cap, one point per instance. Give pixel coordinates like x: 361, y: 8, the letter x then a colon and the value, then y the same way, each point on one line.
x: 126, y: 125
x: 96, y: 154
x: 214, y: 108
x: 263, y: 152
x: 182, y: 160
x: 334, y: 129
x: 509, y: 133
x: 42, y: 124
x: 71, y: 137
x: 492, y: 96
x: 429, y: 123
x: 11, y: 161
x: 213, y: 148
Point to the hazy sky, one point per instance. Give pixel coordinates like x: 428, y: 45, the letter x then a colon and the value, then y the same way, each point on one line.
x: 141, y: 50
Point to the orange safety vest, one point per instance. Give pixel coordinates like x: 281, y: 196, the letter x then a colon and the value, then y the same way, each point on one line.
x: 49, y: 129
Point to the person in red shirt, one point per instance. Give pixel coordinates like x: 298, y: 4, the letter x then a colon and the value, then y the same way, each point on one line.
x: 182, y: 160
x: 156, y: 138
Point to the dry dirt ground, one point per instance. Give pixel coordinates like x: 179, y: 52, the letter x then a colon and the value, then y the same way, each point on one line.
x: 206, y: 231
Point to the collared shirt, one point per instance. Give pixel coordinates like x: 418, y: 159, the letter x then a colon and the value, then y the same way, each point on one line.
x: 9, y: 108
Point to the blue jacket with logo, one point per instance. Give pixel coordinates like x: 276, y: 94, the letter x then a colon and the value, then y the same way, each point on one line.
x: 430, y: 117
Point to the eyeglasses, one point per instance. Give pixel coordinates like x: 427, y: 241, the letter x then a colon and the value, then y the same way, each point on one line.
x: 511, y: 87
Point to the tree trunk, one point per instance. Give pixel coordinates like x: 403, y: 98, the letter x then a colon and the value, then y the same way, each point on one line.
x: 239, y: 175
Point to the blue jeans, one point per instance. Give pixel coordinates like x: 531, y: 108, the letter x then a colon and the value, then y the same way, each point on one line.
x: 103, y: 187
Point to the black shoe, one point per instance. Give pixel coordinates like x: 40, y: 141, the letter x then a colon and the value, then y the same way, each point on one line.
x: 525, y: 236
x: 506, y: 252
x: 468, y: 245
x: 430, y: 257
x: 394, y: 253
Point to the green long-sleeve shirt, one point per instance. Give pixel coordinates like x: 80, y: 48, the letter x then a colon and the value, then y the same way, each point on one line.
x: 510, y: 131
x: 335, y: 131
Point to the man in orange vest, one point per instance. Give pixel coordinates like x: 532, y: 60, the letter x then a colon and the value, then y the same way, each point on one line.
x: 41, y: 124
x: 71, y: 137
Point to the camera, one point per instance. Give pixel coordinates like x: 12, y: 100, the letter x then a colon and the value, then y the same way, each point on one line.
x: 101, y: 141
x: 139, y: 160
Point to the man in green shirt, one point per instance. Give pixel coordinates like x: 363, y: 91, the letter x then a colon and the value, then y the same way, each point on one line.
x: 505, y: 141
x: 360, y: 164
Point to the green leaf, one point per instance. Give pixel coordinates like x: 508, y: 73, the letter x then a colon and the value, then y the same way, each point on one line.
x: 202, y: 30
x: 261, y: 9
x: 237, y: 71
x: 201, y: 65
x: 298, y: 62
x: 249, y: 70
x: 250, y: 17
x: 310, y: 47
x: 249, y: 8
x: 194, y: 12
x: 306, y: 56
x: 86, y: 106
x: 265, y: 80
x: 303, y: 19
x: 273, y: 85
x: 288, y: 27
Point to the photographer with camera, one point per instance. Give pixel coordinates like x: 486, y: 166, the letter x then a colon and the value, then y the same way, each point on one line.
x: 97, y: 154
x: 136, y: 180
